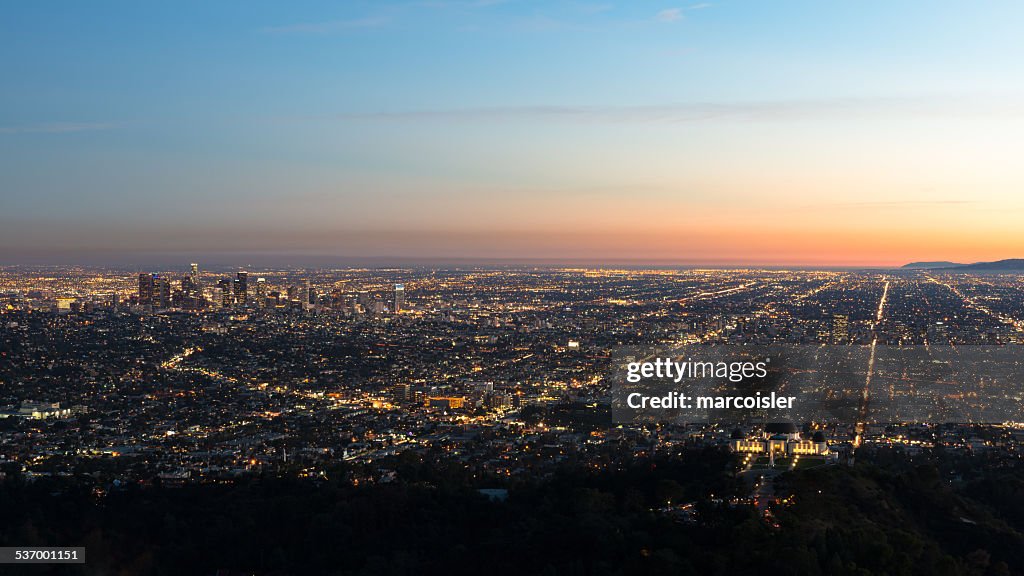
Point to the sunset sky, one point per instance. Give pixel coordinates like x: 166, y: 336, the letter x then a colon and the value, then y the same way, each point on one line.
x: 782, y: 133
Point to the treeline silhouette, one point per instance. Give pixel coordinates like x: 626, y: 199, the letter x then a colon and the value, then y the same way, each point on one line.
x: 901, y: 519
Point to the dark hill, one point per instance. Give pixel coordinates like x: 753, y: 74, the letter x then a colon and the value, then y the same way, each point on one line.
x: 929, y: 265
x: 1008, y: 265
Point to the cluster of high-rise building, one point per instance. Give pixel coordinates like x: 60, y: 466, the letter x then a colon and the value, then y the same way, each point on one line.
x: 157, y: 291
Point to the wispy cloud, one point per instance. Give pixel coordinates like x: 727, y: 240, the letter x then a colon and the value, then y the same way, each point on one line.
x: 457, y: 3
x: 328, y: 27
x: 385, y: 17
x: 55, y: 128
x: 898, y: 107
x: 674, y: 14
x: 669, y: 15
x: 683, y: 112
x: 898, y: 207
x: 896, y: 204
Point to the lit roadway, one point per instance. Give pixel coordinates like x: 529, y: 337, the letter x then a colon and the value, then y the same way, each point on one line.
x: 970, y: 303
x: 766, y: 310
x: 723, y: 292
x: 866, y: 394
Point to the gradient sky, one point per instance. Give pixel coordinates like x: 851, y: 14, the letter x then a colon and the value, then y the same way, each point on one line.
x: 842, y: 133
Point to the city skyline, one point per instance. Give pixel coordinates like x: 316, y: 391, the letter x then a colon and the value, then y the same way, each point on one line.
x: 722, y: 133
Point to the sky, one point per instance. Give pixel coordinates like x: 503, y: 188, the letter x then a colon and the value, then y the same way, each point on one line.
x: 727, y: 133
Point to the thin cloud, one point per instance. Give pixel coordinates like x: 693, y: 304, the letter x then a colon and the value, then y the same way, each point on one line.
x: 679, y: 113
x: 56, y: 128
x: 669, y: 15
x: 667, y: 113
x: 335, y: 26
x: 674, y: 14
x: 895, y: 206
x: 328, y: 26
x: 901, y: 204
x: 457, y: 3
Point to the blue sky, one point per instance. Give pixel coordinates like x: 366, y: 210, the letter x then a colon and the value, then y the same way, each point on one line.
x: 488, y: 129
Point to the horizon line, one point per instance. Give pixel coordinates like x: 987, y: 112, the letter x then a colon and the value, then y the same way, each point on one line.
x: 271, y: 260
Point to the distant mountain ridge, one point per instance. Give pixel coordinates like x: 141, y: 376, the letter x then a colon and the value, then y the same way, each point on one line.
x: 1008, y: 265
x: 930, y: 265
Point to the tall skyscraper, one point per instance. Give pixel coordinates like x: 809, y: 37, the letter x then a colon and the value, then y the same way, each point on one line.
x: 840, y: 330
x: 145, y: 289
x: 399, y: 297
x: 261, y: 292
x: 226, y: 298
x: 309, y: 294
x: 161, y: 291
x: 188, y: 292
x: 241, y: 288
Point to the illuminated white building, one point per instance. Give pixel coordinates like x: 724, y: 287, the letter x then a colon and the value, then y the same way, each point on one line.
x: 43, y: 410
x: 782, y: 439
